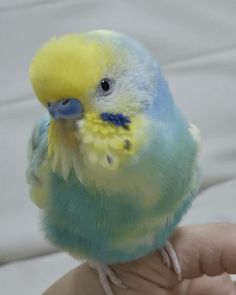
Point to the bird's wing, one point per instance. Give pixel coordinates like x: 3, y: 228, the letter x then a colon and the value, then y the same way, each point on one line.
x: 37, y: 170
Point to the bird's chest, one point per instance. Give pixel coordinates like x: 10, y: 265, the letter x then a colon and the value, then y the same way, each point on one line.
x: 80, y: 218
x: 109, y: 227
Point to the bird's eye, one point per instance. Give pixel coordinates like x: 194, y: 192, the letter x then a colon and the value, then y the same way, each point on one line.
x: 106, y: 86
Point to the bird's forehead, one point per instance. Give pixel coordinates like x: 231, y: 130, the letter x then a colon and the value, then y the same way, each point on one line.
x: 70, y: 66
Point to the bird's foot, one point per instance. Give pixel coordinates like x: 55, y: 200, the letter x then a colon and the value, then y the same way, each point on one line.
x: 104, y: 273
x: 170, y: 259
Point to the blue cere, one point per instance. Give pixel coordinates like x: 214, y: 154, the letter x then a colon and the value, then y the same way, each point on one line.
x: 68, y: 108
x: 116, y: 119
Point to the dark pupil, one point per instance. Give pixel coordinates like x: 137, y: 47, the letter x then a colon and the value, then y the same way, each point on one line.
x: 105, y: 85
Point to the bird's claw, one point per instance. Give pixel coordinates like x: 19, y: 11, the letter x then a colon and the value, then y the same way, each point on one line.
x: 105, y: 274
x: 170, y: 259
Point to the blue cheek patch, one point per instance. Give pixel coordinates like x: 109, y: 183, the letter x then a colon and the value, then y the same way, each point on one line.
x: 118, y: 120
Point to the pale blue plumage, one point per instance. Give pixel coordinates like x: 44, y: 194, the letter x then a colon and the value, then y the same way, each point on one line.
x: 122, y: 214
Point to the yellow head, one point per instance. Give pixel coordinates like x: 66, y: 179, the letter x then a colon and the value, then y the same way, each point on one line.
x: 70, y: 67
x: 88, y: 82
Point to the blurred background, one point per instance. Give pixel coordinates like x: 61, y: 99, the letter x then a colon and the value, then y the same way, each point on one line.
x: 195, y: 42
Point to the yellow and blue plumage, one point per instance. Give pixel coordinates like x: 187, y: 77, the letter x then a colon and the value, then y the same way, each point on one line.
x: 114, y: 166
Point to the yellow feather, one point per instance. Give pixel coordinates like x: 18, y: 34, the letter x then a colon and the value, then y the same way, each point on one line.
x: 107, y: 145
x: 62, y: 146
x: 70, y: 66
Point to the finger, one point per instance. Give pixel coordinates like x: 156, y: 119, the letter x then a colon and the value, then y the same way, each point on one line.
x: 79, y: 281
x: 146, y: 274
x: 206, y: 249
x: 218, y: 285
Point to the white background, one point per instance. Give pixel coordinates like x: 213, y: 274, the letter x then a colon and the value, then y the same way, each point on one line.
x: 195, y: 42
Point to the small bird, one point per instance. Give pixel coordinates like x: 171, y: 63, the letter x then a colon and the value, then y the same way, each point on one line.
x: 113, y: 164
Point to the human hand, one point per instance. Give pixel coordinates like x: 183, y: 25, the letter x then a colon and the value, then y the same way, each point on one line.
x: 207, y: 255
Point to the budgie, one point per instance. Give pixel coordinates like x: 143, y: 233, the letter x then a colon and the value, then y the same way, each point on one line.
x: 113, y: 163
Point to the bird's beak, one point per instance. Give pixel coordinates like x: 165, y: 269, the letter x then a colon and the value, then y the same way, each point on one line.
x: 69, y: 108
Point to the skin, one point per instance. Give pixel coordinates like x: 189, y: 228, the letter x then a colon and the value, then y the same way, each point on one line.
x: 207, y: 255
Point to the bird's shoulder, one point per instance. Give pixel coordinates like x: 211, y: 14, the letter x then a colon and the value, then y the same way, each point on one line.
x: 38, y: 168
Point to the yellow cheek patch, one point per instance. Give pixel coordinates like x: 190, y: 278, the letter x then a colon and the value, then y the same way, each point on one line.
x: 107, y: 145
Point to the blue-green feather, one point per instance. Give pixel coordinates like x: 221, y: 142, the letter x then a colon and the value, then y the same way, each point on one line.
x: 37, y: 149
x: 88, y: 221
